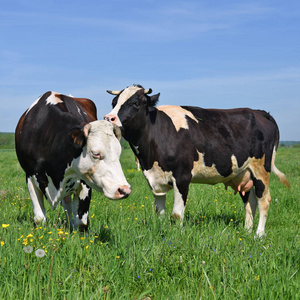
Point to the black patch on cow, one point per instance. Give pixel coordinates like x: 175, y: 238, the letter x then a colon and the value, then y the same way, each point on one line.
x: 84, y: 205
x: 245, y: 197
x: 259, y: 187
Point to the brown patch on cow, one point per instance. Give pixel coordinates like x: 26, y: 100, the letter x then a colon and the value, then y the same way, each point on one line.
x: 78, y: 137
x: 257, y: 167
x: 89, y: 107
x: 90, y: 173
x: 20, y: 127
x: 177, y: 115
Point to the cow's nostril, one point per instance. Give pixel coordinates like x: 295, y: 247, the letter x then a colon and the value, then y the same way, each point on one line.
x: 123, y: 192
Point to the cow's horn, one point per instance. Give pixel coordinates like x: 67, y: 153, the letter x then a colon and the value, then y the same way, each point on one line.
x: 117, y: 132
x: 114, y: 92
x: 149, y: 91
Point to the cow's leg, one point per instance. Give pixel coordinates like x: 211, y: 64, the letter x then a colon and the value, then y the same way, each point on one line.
x: 67, y: 204
x: 263, y: 207
x: 180, y: 196
x: 250, y: 203
x: 261, y: 184
x: 37, y: 200
x: 160, y: 203
x: 83, y: 199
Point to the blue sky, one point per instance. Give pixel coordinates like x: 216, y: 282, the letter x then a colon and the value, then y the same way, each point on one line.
x: 220, y: 54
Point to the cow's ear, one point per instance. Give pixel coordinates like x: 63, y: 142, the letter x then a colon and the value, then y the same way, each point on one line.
x: 78, y: 137
x: 152, y: 100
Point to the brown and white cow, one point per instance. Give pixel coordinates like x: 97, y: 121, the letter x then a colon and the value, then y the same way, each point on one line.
x: 177, y: 145
x: 65, y: 151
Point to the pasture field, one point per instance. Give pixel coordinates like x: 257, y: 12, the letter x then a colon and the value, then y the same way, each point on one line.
x: 130, y: 253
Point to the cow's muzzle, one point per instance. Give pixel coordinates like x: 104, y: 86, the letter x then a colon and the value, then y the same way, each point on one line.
x: 111, y: 118
x: 123, y: 192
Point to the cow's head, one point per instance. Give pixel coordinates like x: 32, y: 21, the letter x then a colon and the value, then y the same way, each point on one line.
x: 99, y: 162
x: 130, y: 104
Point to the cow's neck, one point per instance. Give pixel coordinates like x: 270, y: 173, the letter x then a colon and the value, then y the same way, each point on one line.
x: 140, y: 137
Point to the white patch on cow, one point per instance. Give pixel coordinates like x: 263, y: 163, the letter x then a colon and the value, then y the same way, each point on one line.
x: 53, y: 99
x: 178, y: 207
x: 177, y: 115
x: 36, y: 197
x: 123, y: 97
x: 53, y: 194
x: 33, y: 104
x: 78, y: 109
x: 204, y: 174
x: 240, y: 176
x: 84, y: 219
x: 158, y: 179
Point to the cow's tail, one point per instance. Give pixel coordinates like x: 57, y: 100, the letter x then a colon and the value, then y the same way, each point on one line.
x: 278, y: 173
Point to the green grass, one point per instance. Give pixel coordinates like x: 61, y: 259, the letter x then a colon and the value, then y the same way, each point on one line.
x: 129, y: 253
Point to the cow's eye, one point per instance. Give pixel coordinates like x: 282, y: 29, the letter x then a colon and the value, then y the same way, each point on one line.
x: 136, y: 104
x: 96, y: 154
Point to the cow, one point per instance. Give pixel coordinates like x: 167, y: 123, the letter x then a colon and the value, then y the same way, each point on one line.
x: 179, y: 145
x: 65, y: 151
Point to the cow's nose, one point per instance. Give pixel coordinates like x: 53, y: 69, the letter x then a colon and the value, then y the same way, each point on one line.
x: 123, y: 192
x: 110, y: 118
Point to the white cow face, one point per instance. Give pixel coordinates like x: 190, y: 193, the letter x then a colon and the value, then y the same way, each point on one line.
x: 99, y: 163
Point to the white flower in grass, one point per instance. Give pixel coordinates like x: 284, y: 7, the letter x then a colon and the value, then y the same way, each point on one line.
x: 28, y: 249
x: 39, y: 253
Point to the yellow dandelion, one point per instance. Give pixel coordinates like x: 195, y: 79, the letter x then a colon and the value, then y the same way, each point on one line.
x: 29, y: 235
x: 2, y: 243
x: 5, y: 225
x: 41, y: 237
x: 87, y: 247
x: 49, y: 232
x: 117, y: 256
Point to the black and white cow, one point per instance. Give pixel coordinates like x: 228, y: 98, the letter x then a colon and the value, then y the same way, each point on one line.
x: 64, y: 150
x: 177, y: 145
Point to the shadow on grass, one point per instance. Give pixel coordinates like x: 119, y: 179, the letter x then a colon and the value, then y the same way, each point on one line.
x: 199, y: 220
x: 104, y: 236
